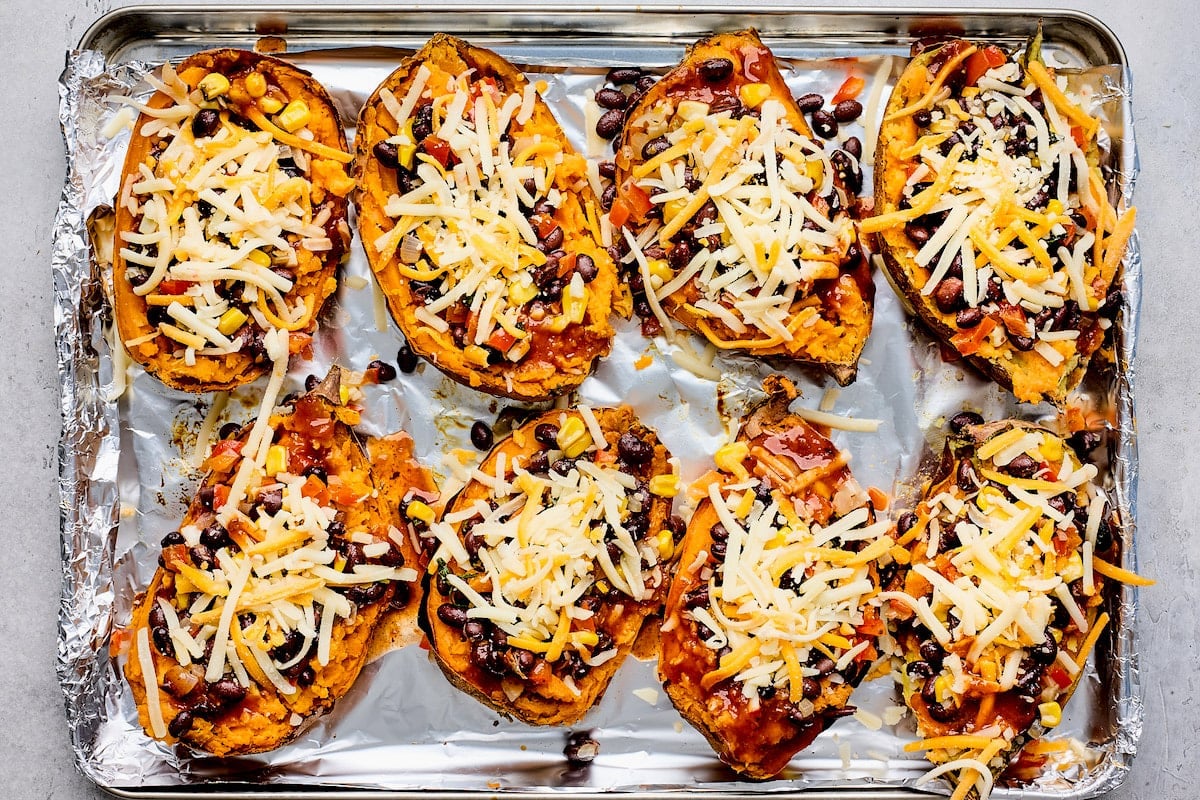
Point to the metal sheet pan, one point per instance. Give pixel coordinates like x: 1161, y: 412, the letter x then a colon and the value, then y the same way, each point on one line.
x: 505, y: 757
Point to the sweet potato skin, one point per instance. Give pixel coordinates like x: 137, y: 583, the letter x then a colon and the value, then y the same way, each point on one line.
x: 835, y: 342
x: 758, y: 744
x: 562, y: 361
x: 316, y: 273
x: 266, y: 719
x: 551, y: 703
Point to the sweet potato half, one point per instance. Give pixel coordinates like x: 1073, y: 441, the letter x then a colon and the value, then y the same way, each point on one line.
x: 259, y: 616
x: 480, y: 224
x: 550, y: 561
x: 754, y: 248
x: 231, y: 218
x: 767, y: 627
x: 994, y: 218
x: 1000, y: 603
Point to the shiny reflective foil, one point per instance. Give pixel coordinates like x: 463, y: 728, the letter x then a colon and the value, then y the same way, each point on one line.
x: 128, y: 468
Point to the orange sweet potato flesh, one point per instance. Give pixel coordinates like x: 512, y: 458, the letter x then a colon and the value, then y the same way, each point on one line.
x: 845, y: 304
x: 758, y: 743
x: 551, y: 702
x: 266, y: 719
x: 558, y: 361
x: 315, y: 272
x: 1027, y: 374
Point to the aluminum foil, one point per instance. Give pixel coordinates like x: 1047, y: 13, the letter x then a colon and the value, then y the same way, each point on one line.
x: 128, y: 469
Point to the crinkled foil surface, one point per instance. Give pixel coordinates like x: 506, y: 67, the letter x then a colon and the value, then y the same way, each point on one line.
x: 127, y: 471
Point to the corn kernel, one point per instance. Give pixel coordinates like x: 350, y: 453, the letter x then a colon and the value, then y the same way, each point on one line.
x: 521, y: 293
x: 294, y: 116
x: 256, y: 84
x: 420, y: 511
x: 213, y: 85
x: 602, y: 587
x: 269, y: 105
x: 406, y: 154
x: 692, y: 109
x: 1054, y: 208
x: 815, y: 171
x: 665, y: 544
x: 988, y: 498
x: 1051, y: 714
x: 575, y: 302
x: 1051, y: 449
x: 941, y: 688
x: 664, y: 485
x: 476, y: 355
x: 660, y: 269
x: 585, y: 638
x: 573, y: 437
x: 753, y: 94
x: 231, y: 320
x: 343, y: 394
x: 260, y: 258
x: 277, y: 459
x: 671, y: 208
x: 988, y: 670
x: 729, y: 459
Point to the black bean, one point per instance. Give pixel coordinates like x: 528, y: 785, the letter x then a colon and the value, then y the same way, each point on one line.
x: 474, y: 630
x: 384, y: 371
x: 610, y: 123
x: 696, y: 598
x: 228, y: 691
x: 917, y: 232
x: 607, y: 169
x: 714, y: 70
x: 158, y: 617
x: 962, y: 419
x: 655, y: 146
x: 645, y: 83
x: 949, y: 295
x: 919, y: 670
x: 847, y: 111
x: 317, y: 471
x: 581, y: 748
x: 305, y: 676
x: 539, y: 463
x: 201, y: 555
x: 481, y: 435
x: 905, y: 523
x: 458, y: 333
x: 205, y: 123
x: 1022, y: 343
x: 554, y: 238
x: 824, y: 125
x: 929, y: 690
x: 822, y: 664
x: 677, y: 526
x: 1112, y: 303
x: 180, y: 724
x: 810, y: 102
x: 423, y: 123
x: 162, y: 640
x: 290, y: 647
x: 620, y: 76
x: 546, y: 433
x: 633, y: 449
x: 607, y: 196
x: 611, y: 98
x: 851, y: 177
x: 966, y: 478
x: 215, y: 537
x: 585, y: 265
x: 310, y: 382
x: 766, y: 692
x: 811, y: 689
x: 969, y: 317
x: 932, y: 652
x: 1023, y: 466
x: 452, y: 615
x: 718, y: 549
x: 1046, y: 652
x: 271, y: 501
x: 923, y: 118
x: 387, y: 154
x: 1084, y: 442
x: 228, y: 430
x: 173, y: 538
x: 365, y: 595
x: 853, y: 146
x: 942, y: 712
x: 719, y: 533
x: 563, y: 466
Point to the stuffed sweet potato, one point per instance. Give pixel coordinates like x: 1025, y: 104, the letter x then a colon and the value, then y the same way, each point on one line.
x: 993, y: 215
x: 480, y: 225
x: 768, y: 626
x: 1000, y: 603
x: 231, y: 218
x: 752, y: 245
x: 549, y: 562
x: 259, y: 616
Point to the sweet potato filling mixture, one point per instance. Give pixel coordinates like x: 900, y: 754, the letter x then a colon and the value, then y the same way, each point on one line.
x: 993, y: 203
x: 231, y: 218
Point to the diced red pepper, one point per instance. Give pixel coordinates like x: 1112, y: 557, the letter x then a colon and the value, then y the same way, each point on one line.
x: 501, y: 340
x: 544, y: 224
x: 315, y: 488
x: 174, y: 555
x: 1013, y: 317
x: 172, y: 287
x: 631, y: 202
x: 969, y: 341
x: 220, y: 497
x: 1079, y: 137
x: 1060, y: 676
x: 438, y: 149
x: 981, y: 61
x: 851, y: 88
x: 225, y: 456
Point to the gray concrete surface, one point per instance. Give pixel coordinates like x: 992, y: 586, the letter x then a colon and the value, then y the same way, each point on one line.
x: 1160, y: 38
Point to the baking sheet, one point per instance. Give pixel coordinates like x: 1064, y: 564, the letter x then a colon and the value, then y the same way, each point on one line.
x: 126, y: 474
